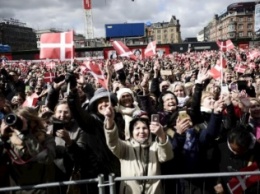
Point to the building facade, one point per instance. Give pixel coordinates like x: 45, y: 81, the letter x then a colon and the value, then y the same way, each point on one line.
x: 15, y: 34
x: 165, y: 32
x: 236, y: 22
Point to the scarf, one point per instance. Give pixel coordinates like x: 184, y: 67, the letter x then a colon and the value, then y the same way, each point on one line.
x: 127, y: 114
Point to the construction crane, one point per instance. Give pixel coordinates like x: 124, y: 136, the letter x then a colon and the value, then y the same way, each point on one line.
x: 89, y: 32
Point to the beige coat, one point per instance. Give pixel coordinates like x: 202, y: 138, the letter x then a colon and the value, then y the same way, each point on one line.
x: 133, y: 157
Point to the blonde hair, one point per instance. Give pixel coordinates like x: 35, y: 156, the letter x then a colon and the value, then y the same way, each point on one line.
x: 30, y: 115
x: 206, y: 94
x: 174, y: 85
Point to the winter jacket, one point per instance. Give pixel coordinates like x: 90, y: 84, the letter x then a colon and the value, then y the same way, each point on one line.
x: 139, y: 160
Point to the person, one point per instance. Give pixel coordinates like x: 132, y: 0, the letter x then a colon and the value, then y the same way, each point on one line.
x: 240, y: 150
x: 126, y: 107
x: 29, y: 148
x: 14, y: 84
x: 91, y: 121
x: 71, y: 154
x: 138, y: 155
x: 178, y: 88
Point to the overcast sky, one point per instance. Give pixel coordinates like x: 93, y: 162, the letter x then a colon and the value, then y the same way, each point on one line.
x: 69, y: 14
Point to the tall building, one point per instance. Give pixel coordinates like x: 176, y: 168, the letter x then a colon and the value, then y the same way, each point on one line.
x: 236, y: 22
x: 166, y: 32
x: 15, y: 34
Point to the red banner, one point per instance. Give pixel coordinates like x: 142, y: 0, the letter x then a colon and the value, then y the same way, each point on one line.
x: 87, y: 4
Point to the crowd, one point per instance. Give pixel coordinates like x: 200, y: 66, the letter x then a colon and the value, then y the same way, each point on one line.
x: 157, y: 116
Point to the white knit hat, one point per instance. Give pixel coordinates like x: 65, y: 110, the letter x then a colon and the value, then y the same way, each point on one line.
x: 121, y: 91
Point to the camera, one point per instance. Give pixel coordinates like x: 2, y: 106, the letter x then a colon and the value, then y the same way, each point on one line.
x: 13, y: 120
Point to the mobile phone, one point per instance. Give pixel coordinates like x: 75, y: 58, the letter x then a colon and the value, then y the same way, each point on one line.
x: 57, y: 126
x: 241, y: 85
x: 224, y: 89
x: 155, y: 118
x: 183, y: 114
x: 233, y: 87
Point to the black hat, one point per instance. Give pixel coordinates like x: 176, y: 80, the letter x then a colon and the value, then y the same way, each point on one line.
x: 101, y: 93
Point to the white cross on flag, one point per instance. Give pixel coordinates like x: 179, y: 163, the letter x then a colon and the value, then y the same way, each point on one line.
x: 97, y: 73
x: 225, y: 45
x: 240, y: 68
x: 122, y: 50
x: 150, y: 49
x: 251, y: 55
x: 218, y: 68
x: 239, y: 184
x: 48, y: 77
x: 57, y: 45
x: 50, y: 64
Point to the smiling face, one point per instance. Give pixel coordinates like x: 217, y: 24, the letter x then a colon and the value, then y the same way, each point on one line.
x: 169, y: 103
x: 208, y: 102
x: 102, y: 104
x: 126, y: 100
x: 62, y: 112
x: 179, y: 91
x: 140, y: 132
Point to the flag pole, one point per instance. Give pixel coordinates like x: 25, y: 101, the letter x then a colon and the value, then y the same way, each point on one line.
x: 71, y: 61
x: 106, y: 80
x: 221, y: 70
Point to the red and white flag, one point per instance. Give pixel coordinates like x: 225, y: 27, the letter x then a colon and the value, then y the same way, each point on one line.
x: 225, y: 45
x: 239, y: 184
x: 252, y: 65
x: 240, y: 68
x: 97, y: 73
x: 118, y: 66
x: 251, y: 55
x: 57, y: 45
x: 122, y: 50
x: 31, y: 100
x: 48, y: 77
x: 150, y: 49
x: 218, y: 68
x: 50, y: 65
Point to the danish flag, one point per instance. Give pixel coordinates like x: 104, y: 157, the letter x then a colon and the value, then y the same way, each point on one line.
x: 253, y: 54
x: 57, y: 45
x: 123, y: 50
x: 31, y: 100
x: 97, y: 73
x: 225, y: 45
x: 217, y: 69
x: 49, y: 77
x: 240, y: 68
x: 239, y: 184
x: 50, y: 65
x: 150, y: 49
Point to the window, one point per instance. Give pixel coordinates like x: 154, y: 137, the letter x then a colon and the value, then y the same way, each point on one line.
x: 249, y: 26
x: 159, y: 37
x: 249, y: 19
x: 159, y: 31
x: 240, y: 34
x: 240, y: 26
x: 241, y: 19
x: 249, y: 34
x: 165, y: 31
